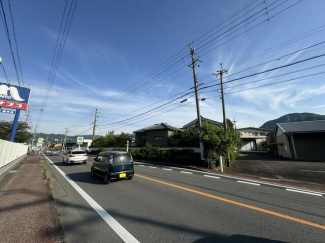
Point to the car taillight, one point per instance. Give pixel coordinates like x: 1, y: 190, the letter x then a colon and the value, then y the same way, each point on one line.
x: 85, y: 155
x: 71, y: 156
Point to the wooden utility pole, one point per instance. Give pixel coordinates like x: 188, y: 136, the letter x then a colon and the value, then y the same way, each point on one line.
x: 192, y: 65
x: 94, y: 123
x: 220, y: 73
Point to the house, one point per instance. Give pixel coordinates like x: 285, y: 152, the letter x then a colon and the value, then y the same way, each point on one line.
x: 157, y: 135
x: 301, y: 140
x: 253, y: 138
x: 203, y: 120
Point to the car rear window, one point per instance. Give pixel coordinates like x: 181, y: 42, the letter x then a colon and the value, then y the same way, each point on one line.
x: 121, y: 158
x: 78, y: 152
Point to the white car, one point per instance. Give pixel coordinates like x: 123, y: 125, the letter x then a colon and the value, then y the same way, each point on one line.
x: 75, y: 156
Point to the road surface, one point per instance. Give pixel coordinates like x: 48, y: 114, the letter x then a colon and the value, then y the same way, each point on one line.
x: 165, y: 204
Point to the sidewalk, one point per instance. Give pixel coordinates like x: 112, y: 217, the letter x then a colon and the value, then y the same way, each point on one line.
x: 27, y: 212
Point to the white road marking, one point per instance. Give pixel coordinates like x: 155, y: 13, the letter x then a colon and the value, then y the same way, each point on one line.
x: 250, y: 180
x: 246, y: 182
x: 166, y: 169
x: 141, y: 165
x: 186, y: 172
x: 153, y: 167
x: 315, y: 171
x: 13, y: 171
x: 305, y: 192
x: 216, y: 177
x: 119, y: 229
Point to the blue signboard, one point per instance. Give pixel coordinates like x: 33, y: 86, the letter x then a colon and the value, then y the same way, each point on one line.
x: 15, y: 97
x: 7, y: 111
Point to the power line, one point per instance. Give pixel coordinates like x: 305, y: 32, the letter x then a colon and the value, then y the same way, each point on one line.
x: 4, y: 71
x: 4, y: 19
x: 14, y: 34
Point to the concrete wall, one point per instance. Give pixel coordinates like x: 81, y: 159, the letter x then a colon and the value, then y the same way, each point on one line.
x: 283, y: 146
x: 310, y: 146
x: 10, y: 154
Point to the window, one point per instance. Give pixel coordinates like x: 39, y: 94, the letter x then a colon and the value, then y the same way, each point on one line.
x: 122, y: 158
x: 262, y: 133
x: 142, y: 137
x: 78, y: 152
x: 158, y: 138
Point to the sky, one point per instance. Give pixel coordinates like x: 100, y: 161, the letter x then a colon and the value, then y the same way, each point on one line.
x: 128, y: 58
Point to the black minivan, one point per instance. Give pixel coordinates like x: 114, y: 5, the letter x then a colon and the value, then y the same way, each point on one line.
x: 113, y: 165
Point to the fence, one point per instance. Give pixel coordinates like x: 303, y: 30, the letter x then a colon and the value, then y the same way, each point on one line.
x: 10, y: 154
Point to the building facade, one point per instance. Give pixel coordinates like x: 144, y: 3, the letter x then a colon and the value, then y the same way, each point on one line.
x: 158, y: 135
x: 253, y: 138
x: 301, y: 140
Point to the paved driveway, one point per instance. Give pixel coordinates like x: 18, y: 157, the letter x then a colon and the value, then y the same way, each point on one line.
x: 263, y: 165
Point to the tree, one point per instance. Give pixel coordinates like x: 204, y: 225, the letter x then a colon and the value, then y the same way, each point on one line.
x: 111, y: 139
x: 99, y: 142
x: 216, y: 141
x: 122, y: 139
x: 22, y: 133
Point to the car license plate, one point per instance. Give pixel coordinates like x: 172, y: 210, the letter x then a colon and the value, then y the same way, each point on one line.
x: 122, y: 175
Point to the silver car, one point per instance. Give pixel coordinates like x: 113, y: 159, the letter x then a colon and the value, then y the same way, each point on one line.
x: 55, y: 152
x: 75, y: 156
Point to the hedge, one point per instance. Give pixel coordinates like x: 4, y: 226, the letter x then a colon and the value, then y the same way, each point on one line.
x: 175, y: 156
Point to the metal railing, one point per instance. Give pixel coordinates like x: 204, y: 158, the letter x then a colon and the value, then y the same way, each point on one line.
x: 10, y: 154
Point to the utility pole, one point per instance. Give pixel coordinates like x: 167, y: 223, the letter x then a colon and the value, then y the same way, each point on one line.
x: 65, y: 139
x: 192, y: 65
x: 94, y: 123
x: 220, y: 73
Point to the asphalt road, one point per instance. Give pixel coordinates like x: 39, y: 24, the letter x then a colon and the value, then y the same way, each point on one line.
x: 164, y: 204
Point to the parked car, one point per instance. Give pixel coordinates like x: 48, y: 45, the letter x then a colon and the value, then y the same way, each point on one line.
x: 75, y: 156
x: 113, y: 165
x: 55, y: 152
x: 47, y: 151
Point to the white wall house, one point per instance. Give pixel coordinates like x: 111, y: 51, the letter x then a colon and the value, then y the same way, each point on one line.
x: 253, y: 138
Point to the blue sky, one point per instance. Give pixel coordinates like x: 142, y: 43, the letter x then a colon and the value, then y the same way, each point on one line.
x: 114, y: 44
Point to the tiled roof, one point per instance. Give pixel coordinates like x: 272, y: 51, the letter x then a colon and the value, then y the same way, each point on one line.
x: 161, y: 126
x: 303, y: 127
x: 255, y: 128
x: 203, y: 120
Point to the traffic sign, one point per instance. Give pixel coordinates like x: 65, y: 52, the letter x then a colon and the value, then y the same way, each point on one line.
x: 80, y: 140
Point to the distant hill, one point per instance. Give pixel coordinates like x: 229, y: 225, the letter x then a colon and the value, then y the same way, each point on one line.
x: 292, y: 117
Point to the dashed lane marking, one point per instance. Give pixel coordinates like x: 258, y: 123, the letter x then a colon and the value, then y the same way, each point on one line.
x: 166, y: 169
x: 250, y: 183
x: 13, y: 171
x: 305, y: 192
x: 119, y: 229
x: 262, y: 210
x: 186, y: 172
x: 153, y: 167
x: 215, y: 177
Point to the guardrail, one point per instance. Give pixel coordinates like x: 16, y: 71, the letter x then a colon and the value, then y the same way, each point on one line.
x: 10, y: 154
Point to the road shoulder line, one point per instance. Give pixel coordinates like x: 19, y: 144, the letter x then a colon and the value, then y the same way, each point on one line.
x: 119, y: 229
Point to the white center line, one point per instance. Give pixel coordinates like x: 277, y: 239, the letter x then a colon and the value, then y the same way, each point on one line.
x: 153, y: 167
x: 141, y: 165
x: 166, y: 169
x: 119, y: 229
x: 186, y: 172
x: 305, y: 192
x: 246, y: 182
x: 216, y: 177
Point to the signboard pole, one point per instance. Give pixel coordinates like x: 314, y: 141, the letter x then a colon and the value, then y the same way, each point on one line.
x: 14, y: 126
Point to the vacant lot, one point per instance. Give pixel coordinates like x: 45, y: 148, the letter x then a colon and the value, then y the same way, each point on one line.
x: 263, y: 165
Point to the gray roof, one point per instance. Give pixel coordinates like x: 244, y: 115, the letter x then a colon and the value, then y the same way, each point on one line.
x: 161, y: 126
x: 255, y: 128
x: 203, y: 120
x: 303, y: 127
